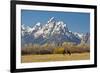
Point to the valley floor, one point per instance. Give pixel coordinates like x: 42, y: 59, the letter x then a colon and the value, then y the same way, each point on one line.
x: 54, y: 57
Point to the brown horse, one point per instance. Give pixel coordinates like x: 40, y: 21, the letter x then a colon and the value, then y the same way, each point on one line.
x: 66, y: 52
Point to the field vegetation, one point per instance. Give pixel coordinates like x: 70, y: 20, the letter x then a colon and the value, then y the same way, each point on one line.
x: 50, y: 52
x: 54, y: 49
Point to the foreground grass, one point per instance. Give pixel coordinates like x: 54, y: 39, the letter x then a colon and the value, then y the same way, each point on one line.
x: 54, y: 57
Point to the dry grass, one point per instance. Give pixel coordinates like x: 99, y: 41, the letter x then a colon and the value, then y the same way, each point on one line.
x: 54, y: 49
x: 54, y: 57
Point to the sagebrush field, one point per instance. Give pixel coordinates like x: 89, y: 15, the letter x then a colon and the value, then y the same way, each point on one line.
x: 51, y: 52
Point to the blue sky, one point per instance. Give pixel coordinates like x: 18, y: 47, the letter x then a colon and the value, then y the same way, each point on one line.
x: 76, y: 22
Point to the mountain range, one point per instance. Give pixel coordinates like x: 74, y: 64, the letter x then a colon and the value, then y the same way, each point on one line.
x: 52, y: 32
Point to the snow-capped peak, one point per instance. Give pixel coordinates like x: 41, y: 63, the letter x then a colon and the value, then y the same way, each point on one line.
x: 51, y: 19
x: 38, y: 24
x: 80, y: 35
x: 23, y: 27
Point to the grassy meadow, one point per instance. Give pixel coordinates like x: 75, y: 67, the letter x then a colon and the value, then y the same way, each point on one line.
x: 52, y: 52
x: 54, y: 57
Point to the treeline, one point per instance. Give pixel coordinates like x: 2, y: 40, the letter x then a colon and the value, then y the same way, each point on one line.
x: 54, y: 49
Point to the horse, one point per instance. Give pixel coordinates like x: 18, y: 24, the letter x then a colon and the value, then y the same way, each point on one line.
x: 66, y: 52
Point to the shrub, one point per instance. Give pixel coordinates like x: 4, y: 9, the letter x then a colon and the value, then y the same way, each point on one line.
x: 54, y: 49
x: 58, y: 50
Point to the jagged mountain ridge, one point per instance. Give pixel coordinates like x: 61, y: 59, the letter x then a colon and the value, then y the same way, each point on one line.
x: 52, y: 32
